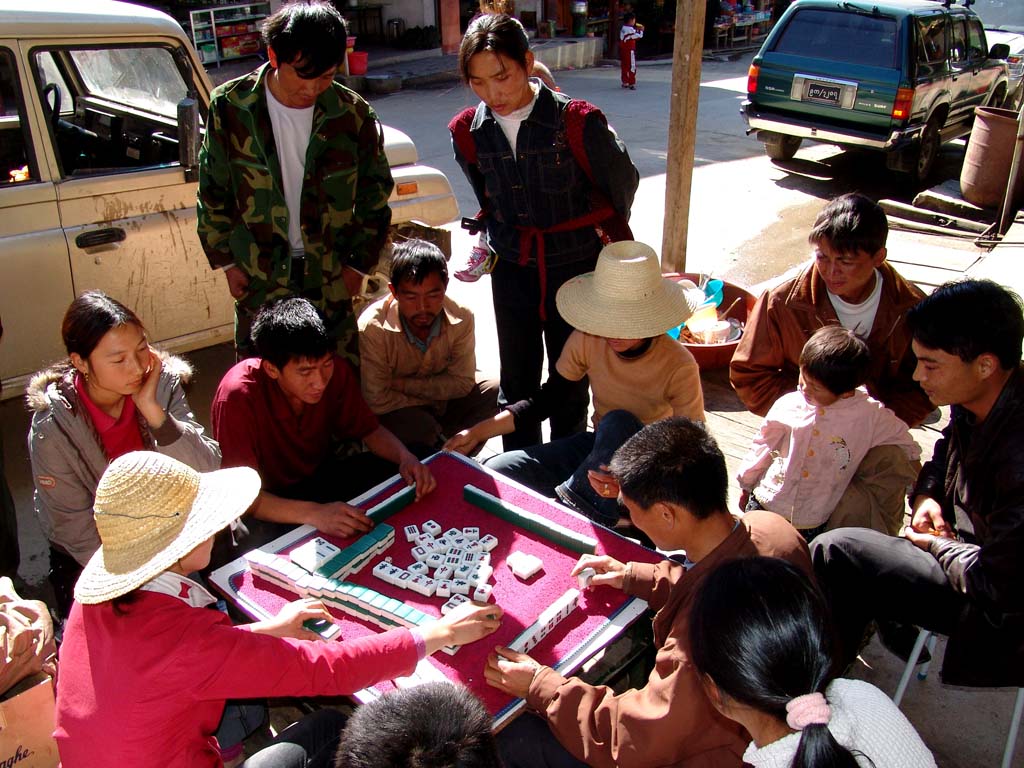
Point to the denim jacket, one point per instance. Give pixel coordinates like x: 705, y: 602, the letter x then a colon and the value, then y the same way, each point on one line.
x: 541, y: 185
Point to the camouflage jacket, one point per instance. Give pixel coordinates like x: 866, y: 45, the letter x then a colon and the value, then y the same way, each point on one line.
x: 243, y: 217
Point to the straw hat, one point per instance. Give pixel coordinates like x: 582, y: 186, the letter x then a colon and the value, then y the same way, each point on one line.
x: 626, y: 297
x: 152, y: 510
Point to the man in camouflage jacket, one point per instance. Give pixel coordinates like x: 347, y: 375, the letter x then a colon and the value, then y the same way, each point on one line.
x: 343, y: 207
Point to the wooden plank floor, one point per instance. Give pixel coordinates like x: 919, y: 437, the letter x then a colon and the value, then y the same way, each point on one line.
x: 734, y: 426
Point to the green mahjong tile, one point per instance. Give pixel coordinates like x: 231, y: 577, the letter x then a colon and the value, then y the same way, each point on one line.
x: 393, y: 606
x: 378, y: 601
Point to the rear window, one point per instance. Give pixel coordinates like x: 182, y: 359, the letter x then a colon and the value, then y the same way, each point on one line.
x: 850, y: 38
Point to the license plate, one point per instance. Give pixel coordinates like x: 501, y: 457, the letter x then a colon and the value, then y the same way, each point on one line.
x: 824, y: 93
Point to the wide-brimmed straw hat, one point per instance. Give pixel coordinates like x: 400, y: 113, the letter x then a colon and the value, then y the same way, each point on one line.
x: 626, y: 297
x: 152, y: 510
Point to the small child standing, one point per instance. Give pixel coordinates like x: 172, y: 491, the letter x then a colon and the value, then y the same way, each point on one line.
x: 812, y: 440
x: 631, y: 32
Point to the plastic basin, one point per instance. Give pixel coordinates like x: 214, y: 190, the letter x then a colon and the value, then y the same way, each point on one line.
x: 710, y: 356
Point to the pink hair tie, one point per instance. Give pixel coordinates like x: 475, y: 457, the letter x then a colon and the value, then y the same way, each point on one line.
x: 810, y: 709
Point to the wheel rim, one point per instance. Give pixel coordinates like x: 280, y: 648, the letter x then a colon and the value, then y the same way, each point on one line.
x: 929, y: 146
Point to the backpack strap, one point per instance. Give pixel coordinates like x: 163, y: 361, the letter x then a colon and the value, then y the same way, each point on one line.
x: 461, y: 137
x: 614, y: 226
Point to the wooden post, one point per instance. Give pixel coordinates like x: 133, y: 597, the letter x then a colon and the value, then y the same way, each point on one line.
x: 682, y: 130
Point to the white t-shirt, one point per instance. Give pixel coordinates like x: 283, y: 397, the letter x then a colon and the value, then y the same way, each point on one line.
x: 292, y: 128
x: 863, y: 720
x: 858, y: 318
x: 510, y: 123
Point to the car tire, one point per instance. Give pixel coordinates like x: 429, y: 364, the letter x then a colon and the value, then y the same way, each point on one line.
x: 782, y: 148
x: 927, y: 152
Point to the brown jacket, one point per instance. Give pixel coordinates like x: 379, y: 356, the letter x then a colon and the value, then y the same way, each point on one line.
x: 670, y: 721
x: 396, y: 374
x: 766, y: 363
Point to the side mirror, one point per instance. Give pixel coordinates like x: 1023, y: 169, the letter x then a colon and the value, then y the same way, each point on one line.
x: 999, y: 51
x: 188, y: 136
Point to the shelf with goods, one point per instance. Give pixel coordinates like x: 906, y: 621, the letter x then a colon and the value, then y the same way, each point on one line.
x: 225, y: 32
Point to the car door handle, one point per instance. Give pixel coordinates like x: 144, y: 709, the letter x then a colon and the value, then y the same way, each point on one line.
x: 100, y: 237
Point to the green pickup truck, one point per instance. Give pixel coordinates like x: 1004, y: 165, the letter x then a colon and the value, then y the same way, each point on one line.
x: 896, y: 76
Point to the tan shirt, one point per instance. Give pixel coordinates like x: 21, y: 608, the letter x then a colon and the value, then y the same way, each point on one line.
x: 662, y: 382
x: 397, y: 374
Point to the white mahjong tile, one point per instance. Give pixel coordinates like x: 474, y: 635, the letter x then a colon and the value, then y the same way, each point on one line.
x: 444, y: 572
x: 489, y: 542
x: 411, y: 532
x: 460, y: 541
x: 436, y: 560
x: 473, y: 534
x: 419, y: 569
x: 474, y: 546
x: 451, y: 533
x: 456, y: 552
x: 453, y: 561
x: 524, y: 565
x: 444, y: 543
x: 380, y: 570
x: 419, y: 553
x: 463, y: 572
x: 432, y: 527
x: 426, y: 541
x: 482, y: 593
x: 444, y: 588
x: 429, y: 586
x: 485, y: 558
x: 402, y: 579
x: 481, y: 574
x: 460, y: 587
x: 470, y: 558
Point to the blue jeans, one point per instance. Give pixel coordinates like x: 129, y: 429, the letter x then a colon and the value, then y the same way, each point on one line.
x: 527, y: 742
x: 309, y: 743
x: 564, y: 464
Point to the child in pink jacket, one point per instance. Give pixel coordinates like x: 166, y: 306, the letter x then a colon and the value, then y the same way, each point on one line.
x: 812, y: 440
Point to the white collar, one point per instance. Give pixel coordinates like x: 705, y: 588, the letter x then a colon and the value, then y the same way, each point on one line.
x: 182, y: 587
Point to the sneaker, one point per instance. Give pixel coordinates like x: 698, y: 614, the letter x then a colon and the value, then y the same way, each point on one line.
x: 632, y: 87
x: 481, y: 262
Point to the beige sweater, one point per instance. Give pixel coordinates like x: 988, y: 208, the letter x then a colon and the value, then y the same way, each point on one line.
x: 662, y: 382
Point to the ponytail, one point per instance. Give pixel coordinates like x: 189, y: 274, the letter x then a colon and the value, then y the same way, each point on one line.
x: 759, y: 630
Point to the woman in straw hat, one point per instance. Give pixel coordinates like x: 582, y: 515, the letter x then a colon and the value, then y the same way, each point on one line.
x: 621, y: 312
x: 146, y: 666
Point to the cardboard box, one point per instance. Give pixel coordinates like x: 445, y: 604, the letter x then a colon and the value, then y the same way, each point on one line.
x: 26, y: 726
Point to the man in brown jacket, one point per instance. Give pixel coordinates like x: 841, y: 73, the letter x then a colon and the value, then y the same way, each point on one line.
x: 418, y: 354
x: 849, y: 284
x: 672, y: 479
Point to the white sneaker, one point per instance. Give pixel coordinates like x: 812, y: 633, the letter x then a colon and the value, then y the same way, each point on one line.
x: 481, y: 262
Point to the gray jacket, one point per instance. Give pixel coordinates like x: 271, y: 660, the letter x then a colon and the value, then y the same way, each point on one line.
x: 68, y: 457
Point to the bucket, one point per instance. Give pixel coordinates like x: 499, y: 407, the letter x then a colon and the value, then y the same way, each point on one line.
x: 357, y: 61
x: 986, y: 168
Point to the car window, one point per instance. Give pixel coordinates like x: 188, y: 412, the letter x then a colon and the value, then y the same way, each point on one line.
x: 958, y: 40
x: 931, y: 34
x: 117, y: 106
x: 976, y: 40
x: 15, y: 159
x: 837, y: 36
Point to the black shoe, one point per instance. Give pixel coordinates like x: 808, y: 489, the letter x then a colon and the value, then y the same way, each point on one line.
x: 899, y: 639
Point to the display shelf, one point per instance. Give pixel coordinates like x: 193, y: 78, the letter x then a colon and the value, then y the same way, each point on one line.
x: 226, y: 32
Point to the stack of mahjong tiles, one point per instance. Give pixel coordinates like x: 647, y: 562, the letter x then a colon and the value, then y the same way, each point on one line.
x: 455, y: 564
x: 549, y: 617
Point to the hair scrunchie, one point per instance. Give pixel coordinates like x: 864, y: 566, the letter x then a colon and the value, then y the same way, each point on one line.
x: 810, y: 709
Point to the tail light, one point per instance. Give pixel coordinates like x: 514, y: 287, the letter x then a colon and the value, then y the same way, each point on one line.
x: 904, y: 101
x: 752, y: 74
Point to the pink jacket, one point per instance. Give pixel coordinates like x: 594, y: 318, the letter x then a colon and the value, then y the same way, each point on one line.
x: 147, y: 688
x: 804, y: 456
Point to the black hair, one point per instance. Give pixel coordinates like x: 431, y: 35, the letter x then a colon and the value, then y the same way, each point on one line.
x: 836, y: 357
x: 759, y: 630
x: 674, y: 461
x: 495, y: 32
x: 308, y: 34
x: 290, y: 329
x: 434, y: 725
x: 628, y: 16
x: 89, y: 318
x: 415, y: 260
x: 852, y: 223
x: 968, y: 319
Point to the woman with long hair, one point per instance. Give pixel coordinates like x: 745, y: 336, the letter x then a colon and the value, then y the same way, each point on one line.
x: 554, y: 183
x: 760, y: 638
x: 113, y: 393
